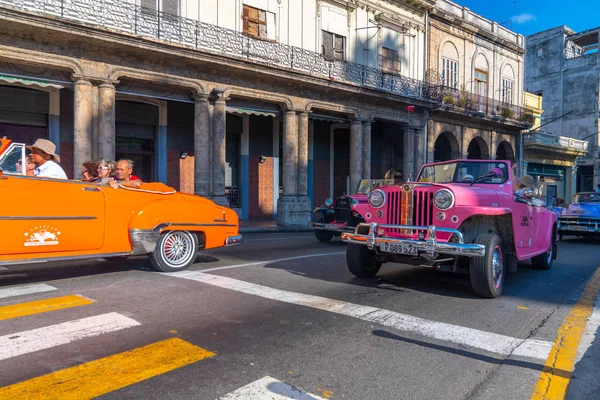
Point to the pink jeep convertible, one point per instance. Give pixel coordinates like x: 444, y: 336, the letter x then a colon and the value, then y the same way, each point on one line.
x: 461, y: 213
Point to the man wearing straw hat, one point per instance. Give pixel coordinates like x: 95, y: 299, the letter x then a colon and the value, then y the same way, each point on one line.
x: 43, y: 155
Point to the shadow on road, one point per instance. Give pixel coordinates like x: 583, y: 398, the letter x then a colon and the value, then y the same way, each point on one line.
x: 576, y: 262
x: 539, y: 366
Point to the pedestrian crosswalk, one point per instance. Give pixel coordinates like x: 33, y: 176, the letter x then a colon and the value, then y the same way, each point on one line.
x: 89, y: 379
x: 106, y: 374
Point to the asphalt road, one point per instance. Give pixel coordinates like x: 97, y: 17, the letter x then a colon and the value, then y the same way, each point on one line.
x: 282, y: 309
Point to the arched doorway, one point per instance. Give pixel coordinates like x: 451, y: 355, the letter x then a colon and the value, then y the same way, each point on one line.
x: 505, y: 151
x: 445, y: 147
x: 478, y: 149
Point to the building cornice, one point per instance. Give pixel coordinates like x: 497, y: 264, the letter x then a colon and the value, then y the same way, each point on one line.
x: 472, y: 29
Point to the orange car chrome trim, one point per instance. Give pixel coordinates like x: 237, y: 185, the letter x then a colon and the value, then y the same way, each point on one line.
x: 162, y: 226
x: 143, y: 241
x: 62, y: 258
x: 45, y: 218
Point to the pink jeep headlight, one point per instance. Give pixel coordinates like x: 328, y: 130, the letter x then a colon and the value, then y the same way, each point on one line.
x: 443, y: 199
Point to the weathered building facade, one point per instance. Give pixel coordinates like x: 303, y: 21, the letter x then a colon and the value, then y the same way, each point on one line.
x: 563, y: 66
x: 550, y: 159
x: 480, y: 66
x: 268, y: 106
x: 265, y: 105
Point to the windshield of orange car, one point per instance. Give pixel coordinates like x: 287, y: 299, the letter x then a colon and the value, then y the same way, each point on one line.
x: 586, y: 198
x: 12, y: 160
x: 465, y: 172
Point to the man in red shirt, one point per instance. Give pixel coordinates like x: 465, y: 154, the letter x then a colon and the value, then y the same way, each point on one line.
x: 124, y: 175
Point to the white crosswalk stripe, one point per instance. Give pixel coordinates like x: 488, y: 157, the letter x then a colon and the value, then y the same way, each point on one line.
x: 22, y: 290
x: 269, y: 388
x: 20, y: 343
x: 474, y: 338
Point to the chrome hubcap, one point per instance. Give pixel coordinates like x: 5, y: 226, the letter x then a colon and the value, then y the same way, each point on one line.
x: 178, y: 248
x: 497, y: 266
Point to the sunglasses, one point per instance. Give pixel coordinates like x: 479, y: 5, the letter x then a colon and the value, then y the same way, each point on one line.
x: 101, y: 168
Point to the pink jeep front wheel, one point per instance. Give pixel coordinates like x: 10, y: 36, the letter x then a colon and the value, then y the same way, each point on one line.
x: 487, y: 272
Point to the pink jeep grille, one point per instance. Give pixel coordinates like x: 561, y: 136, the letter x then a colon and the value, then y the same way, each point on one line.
x: 413, y: 207
x: 423, y: 208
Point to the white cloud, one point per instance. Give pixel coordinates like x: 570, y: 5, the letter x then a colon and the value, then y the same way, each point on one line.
x: 523, y: 18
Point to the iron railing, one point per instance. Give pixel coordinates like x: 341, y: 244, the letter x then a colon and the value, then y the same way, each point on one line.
x: 482, y: 106
x: 120, y: 16
x: 559, y: 142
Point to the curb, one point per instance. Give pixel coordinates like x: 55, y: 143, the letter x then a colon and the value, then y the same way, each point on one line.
x: 274, y: 230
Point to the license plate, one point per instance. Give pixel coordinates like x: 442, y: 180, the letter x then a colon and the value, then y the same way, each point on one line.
x: 330, y: 227
x: 399, y: 248
x: 577, y: 228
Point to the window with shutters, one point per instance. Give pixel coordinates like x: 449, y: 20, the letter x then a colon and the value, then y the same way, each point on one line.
x: 151, y: 4
x: 333, y: 46
x: 481, y: 82
x: 389, y: 60
x: 259, y: 23
x: 507, y: 90
x: 171, y: 7
x: 449, y: 73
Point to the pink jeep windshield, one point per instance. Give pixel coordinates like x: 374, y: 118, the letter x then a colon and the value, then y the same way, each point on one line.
x: 465, y: 172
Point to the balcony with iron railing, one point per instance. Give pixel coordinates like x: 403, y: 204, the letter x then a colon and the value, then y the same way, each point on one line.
x: 539, y: 140
x: 129, y: 19
x: 474, y: 105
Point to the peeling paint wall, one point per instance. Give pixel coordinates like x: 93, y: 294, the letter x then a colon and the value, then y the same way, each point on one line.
x: 566, y: 85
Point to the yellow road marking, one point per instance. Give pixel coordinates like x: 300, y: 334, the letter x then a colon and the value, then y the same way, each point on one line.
x: 522, y: 308
x: 41, y: 306
x: 108, y: 374
x: 556, y: 375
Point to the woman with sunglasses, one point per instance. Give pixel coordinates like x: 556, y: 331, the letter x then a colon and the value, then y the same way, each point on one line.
x: 89, y: 172
x: 106, y: 168
x: 29, y: 165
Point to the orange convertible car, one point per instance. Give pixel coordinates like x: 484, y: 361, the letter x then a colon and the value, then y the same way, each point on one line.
x: 46, y: 219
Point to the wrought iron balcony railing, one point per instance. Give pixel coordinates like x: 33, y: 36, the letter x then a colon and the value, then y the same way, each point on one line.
x: 481, y: 106
x: 122, y: 17
x: 558, y: 142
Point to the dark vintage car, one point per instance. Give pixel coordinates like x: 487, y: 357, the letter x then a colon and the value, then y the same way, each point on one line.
x: 582, y: 216
x: 344, y: 214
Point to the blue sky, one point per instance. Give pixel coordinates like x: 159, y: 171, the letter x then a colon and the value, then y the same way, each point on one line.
x: 532, y: 16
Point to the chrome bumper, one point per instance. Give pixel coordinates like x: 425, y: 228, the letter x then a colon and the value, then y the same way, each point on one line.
x: 332, y: 227
x: 430, y: 247
x: 233, y: 240
x: 590, y: 227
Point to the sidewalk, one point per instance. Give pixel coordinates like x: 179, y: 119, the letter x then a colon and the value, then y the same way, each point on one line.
x: 268, y: 226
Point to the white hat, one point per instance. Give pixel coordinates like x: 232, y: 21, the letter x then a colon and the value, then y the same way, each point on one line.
x: 47, y: 147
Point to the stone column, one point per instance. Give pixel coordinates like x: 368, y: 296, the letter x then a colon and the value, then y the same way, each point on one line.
x: 303, y: 154
x: 419, y: 151
x: 54, y: 118
x: 106, y: 121
x: 220, y: 127
x: 292, y: 210
x: 82, y: 124
x: 356, y: 153
x: 570, y: 183
x: 290, y: 153
x: 366, y: 150
x: 161, y: 142
x: 201, y: 146
x: 409, y: 151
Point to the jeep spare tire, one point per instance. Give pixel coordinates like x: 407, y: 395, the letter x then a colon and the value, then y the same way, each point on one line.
x: 487, y: 273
